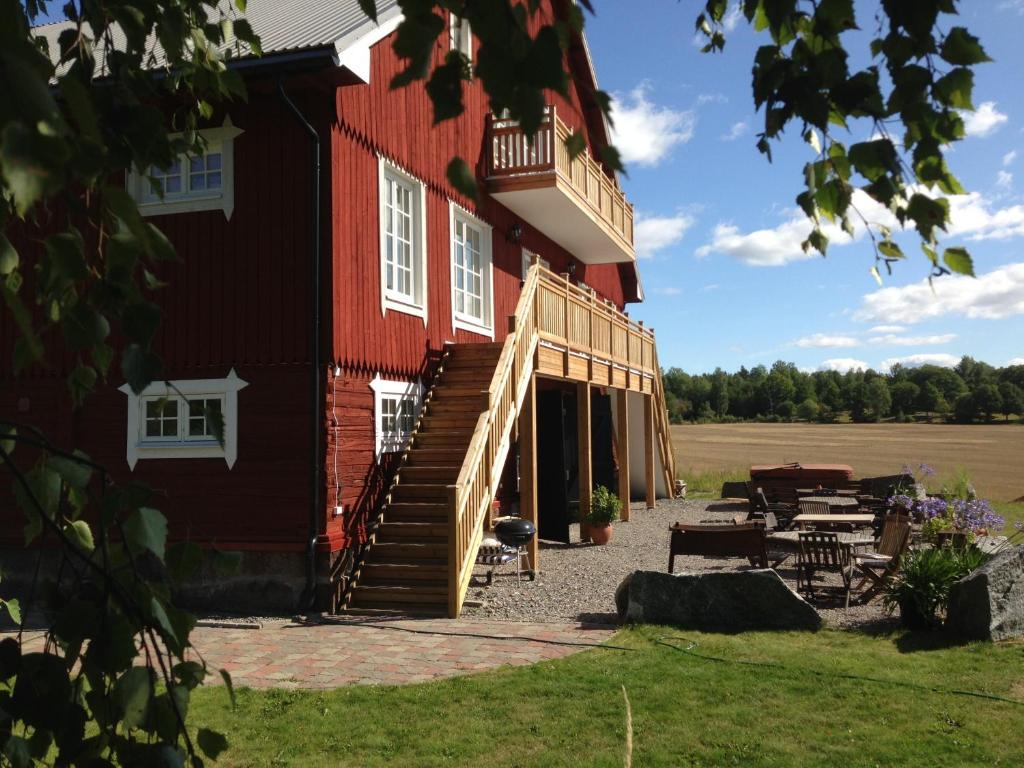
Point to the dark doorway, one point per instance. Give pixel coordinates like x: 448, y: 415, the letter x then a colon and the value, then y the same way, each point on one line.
x: 558, y: 490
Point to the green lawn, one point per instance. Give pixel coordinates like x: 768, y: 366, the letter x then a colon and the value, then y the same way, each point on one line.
x: 687, y: 711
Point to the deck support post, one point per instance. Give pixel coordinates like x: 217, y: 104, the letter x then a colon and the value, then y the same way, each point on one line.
x: 528, y: 467
x: 583, y: 438
x: 622, y: 444
x: 649, y: 450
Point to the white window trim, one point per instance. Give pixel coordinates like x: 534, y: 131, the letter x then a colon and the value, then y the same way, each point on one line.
x: 385, y: 387
x: 137, y: 448
x: 459, y: 320
x: 389, y: 301
x: 528, y: 257
x: 224, y: 200
x: 460, y: 35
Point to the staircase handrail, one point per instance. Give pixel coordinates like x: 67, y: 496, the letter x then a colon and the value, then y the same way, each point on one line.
x: 664, y: 428
x: 471, y: 495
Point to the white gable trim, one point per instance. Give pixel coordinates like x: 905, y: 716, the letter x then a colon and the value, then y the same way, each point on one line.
x: 352, y: 51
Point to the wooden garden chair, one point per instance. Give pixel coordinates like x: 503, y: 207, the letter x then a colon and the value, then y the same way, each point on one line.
x: 746, y: 540
x: 880, y: 565
x: 821, y: 551
x: 822, y: 508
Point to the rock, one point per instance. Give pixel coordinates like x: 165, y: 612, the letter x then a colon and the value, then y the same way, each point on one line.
x: 988, y: 604
x: 731, y: 601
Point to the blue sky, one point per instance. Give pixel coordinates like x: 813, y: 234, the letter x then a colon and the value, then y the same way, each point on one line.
x: 718, y: 235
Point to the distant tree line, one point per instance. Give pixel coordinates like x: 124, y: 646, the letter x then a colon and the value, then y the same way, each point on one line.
x: 971, y: 391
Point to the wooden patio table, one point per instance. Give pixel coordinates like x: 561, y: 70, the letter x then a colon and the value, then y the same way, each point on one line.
x: 804, y: 520
x: 837, y: 502
x: 842, y: 492
x: 791, y: 539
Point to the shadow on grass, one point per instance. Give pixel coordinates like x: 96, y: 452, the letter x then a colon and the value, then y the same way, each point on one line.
x: 913, y: 641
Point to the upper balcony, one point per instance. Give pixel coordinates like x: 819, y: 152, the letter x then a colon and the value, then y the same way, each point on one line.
x: 572, y: 201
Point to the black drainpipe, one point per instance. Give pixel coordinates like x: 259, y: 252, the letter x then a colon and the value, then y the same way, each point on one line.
x: 316, y: 508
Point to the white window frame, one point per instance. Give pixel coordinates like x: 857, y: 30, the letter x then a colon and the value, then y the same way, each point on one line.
x: 385, y: 388
x: 484, y: 326
x: 528, y: 257
x: 223, y: 199
x: 138, y: 446
x: 460, y: 36
x: 390, y: 299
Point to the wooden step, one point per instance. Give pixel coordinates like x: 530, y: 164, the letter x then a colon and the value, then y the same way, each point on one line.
x: 435, y: 457
x: 370, y: 596
x: 483, y: 364
x: 390, y: 551
x: 419, y: 492
x: 466, y: 377
x: 450, y: 439
x: 456, y: 406
x: 422, y: 533
x: 402, y: 573
x: 457, y: 391
x: 449, y: 422
x: 475, y: 348
x: 398, y: 610
x: 426, y: 475
x: 415, y: 512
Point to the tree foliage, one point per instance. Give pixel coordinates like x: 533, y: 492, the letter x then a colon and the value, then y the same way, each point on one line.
x: 920, y: 78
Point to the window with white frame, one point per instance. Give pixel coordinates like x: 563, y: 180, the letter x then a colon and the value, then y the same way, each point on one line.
x: 472, y: 294
x: 460, y: 36
x: 403, y: 238
x: 396, y: 408
x: 177, y: 419
x: 528, y: 259
x: 193, y: 182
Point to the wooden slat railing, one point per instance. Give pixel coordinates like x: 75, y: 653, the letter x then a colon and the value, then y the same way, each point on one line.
x: 470, y: 497
x: 513, y: 154
x: 663, y: 428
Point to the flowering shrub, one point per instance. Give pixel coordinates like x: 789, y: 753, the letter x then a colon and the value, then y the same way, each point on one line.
x: 959, y: 510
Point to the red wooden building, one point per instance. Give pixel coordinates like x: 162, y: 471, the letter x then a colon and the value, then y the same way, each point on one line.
x: 379, y: 345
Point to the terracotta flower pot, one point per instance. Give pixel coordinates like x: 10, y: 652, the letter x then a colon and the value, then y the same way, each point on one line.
x: 600, y: 534
x: 584, y: 531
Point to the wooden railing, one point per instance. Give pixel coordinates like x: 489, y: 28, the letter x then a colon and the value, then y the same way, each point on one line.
x: 571, y: 316
x: 514, y: 155
x: 470, y: 498
x: 663, y: 429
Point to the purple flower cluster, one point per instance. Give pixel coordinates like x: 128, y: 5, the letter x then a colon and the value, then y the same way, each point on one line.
x: 931, y: 507
x: 973, y: 514
x: 926, y: 469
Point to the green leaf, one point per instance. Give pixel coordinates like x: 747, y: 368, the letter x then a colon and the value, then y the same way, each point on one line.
x: 132, y: 692
x: 84, y: 327
x: 16, y: 750
x: 80, y: 532
x: 184, y: 559
x: 575, y: 144
x: 873, y: 159
x: 190, y: 673
x: 962, y: 48
x: 147, y: 529
x: 32, y: 347
x: 817, y: 240
x: 211, y: 742
x: 890, y: 250
x: 460, y: 176
x: 369, y: 8
x: 140, y: 367
x: 44, y: 487
x: 8, y: 256
x: 13, y: 608
x: 226, y: 677
x: 75, y: 473
x: 81, y: 382
x: 954, y: 89
x: 102, y: 356
x: 226, y: 563
x: 30, y: 164
x: 959, y: 261
x: 927, y: 214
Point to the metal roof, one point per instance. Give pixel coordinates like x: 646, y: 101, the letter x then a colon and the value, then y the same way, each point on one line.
x: 282, y: 25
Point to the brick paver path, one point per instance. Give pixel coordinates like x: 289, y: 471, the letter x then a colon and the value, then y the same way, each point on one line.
x: 376, y: 651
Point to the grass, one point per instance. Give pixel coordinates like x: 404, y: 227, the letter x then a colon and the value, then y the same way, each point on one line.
x: 686, y: 710
x: 707, y: 483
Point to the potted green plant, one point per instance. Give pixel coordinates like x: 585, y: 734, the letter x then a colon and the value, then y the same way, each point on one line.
x: 604, y: 510
x: 921, y: 589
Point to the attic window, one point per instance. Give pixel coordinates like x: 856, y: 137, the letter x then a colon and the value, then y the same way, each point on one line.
x: 461, y: 36
x: 193, y: 182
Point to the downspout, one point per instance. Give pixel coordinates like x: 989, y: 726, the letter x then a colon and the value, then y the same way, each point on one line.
x: 316, y: 508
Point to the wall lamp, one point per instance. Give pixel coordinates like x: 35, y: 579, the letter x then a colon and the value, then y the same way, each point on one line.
x: 515, y: 233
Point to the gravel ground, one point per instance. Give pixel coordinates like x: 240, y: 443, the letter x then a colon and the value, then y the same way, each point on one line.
x: 578, y: 582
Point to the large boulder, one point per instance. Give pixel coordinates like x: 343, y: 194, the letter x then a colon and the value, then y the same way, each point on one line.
x: 988, y: 604
x: 732, y: 601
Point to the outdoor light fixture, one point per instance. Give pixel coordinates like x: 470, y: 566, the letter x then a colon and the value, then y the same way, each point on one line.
x: 515, y: 233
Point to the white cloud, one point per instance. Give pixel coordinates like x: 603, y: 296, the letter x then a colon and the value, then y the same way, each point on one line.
x: 974, y: 217
x: 843, y: 364
x: 1009, y: 157
x: 668, y: 290
x: 887, y: 329
x: 1017, y: 5
x: 737, y: 130
x: 711, y: 98
x: 1004, y: 179
x: 892, y: 340
x: 991, y: 296
x: 710, y: 287
x: 732, y: 18
x: 914, y: 361
x: 984, y: 120
x: 1015, y: 361
x: 644, y: 133
x: 655, y: 233
x: 824, y: 340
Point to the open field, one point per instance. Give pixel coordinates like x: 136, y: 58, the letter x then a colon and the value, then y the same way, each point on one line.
x: 991, y: 454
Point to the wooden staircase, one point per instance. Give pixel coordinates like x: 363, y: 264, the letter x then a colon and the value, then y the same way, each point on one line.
x: 406, y: 568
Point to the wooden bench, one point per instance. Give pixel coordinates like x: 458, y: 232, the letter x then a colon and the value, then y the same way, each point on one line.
x: 746, y: 540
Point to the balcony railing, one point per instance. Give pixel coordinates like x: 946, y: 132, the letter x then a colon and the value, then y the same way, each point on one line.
x: 514, y: 157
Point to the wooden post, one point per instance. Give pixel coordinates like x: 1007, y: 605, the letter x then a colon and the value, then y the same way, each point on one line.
x: 568, y: 332
x: 622, y: 440
x: 649, y: 450
x: 586, y: 475
x: 528, y: 466
x: 454, y: 606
